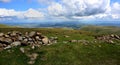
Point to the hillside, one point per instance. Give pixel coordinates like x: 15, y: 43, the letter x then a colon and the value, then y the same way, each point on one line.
x: 5, y: 26
x: 74, y: 47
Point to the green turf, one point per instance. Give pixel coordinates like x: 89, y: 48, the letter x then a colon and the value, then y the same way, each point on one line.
x: 99, y: 53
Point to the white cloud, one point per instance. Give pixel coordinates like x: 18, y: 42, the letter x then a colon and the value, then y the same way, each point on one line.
x: 69, y: 8
x: 30, y: 13
x: 56, y: 9
x: 5, y: 1
x: 115, y: 8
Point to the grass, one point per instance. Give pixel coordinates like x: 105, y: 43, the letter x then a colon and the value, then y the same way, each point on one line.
x: 99, y: 53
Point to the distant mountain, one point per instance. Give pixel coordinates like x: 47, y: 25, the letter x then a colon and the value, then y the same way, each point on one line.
x: 67, y: 24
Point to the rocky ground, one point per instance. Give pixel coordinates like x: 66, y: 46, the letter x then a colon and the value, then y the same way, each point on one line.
x: 33, y: 39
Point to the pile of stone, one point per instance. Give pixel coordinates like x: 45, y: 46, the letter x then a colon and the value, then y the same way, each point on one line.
x: 109, y: 38
x: 16, y: 38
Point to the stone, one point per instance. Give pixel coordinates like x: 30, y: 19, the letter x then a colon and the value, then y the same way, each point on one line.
x: 4, y: 45
x: 112, y: 35
x: 30, y: 39
x: 25, y: 40
x: 22, y: 50
x: 110, y: 41
x: 16, y: 43
x: 14, y: 33
x: 7, y: 36
x: 33, y: 47
x: 37, y: 38
x: 66, y: 36
x: 8, y: 47
x: 7, y: 40
x: 31, y: 62
x: 73, y: 41
x: 8, y: 33
x: 117, y: 37
x: 32, y: 34
x: 38, y: 33
x: 20, y: 38
x: 45, y: 40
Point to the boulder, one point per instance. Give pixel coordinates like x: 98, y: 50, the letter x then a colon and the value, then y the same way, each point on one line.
x: 32, y: 34
x: 16, y: 43
x: 45, y: 40
x: 38, y: 33
x: 7, y: 41
x: 25, y: 42
x: 20, y: 38
x: 37, y: 38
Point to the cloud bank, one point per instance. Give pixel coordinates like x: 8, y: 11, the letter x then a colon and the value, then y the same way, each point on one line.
x: 29, y: 14
x: 78, y: 7
x: 68, y: 9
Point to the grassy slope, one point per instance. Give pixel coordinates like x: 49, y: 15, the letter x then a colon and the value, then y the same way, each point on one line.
x: 102, y: 29
x: 65, y: 53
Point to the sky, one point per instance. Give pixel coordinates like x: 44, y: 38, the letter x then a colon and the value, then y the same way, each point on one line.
x: 59, y: 10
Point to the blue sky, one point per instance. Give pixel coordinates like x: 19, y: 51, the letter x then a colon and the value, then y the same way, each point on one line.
x: 61, y: 10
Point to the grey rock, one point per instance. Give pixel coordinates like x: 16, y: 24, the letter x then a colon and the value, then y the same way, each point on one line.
x: 16, y: 43
x: 45, y: 41
x: 32, y: 34
x: 7, y: 40
x: 37, y: 38
x: 117, y: 37
x: 14, y: 33
x: 22, y: 50
x: 20, y: 38
x: 25, y: 40
x: 8, y: 47
x: 38, y: 33
x: 7, y: 36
